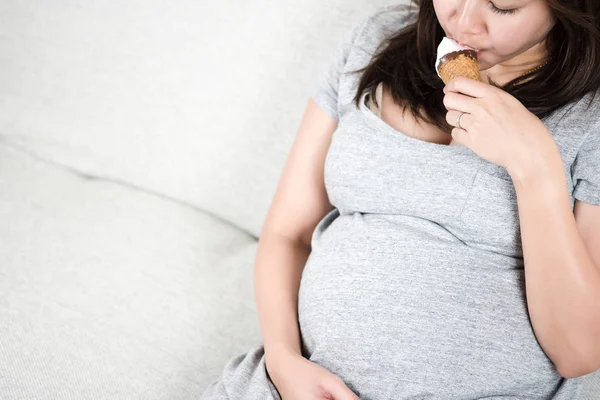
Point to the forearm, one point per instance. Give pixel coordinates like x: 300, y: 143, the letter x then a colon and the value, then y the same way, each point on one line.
x: 562, y: 282
x: 278, y: 268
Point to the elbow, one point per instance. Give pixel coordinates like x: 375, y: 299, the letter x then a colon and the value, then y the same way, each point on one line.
x: 580, y: 360
x: 574, y: 369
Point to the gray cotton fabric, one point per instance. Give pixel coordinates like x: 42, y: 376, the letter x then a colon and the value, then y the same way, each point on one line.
x: 415, y: 285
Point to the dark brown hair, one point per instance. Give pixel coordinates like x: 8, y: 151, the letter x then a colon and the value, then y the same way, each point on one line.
x: 404, y: 62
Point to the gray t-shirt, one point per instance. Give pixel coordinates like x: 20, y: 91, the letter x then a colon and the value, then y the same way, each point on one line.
x: 415, y: 285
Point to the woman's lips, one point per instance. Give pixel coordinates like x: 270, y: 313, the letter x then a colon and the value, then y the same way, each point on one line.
x: 466, y: 45
x: 472, y: 48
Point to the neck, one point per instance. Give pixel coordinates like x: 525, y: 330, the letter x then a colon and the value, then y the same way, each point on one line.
x: 506, y: 71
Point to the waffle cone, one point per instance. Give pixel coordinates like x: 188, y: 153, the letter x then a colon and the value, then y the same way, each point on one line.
x: 460, y: 66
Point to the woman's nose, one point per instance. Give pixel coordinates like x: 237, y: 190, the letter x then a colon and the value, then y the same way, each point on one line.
x: 469, y: 20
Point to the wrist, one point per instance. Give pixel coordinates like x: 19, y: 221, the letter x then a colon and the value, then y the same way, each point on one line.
x: 277, y: 361
x: 277, y: 352
x: 537, y: 166
x: 549, y: 179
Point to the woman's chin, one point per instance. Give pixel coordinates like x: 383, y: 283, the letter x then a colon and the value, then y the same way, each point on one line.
x: 485, y: 65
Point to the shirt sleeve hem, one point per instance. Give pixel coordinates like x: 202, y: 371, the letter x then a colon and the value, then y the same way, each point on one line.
x: 587, y: 193
x: 324, y: 102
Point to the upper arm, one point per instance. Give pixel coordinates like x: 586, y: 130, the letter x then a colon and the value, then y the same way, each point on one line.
x: 587, y: 217
x: 300, y: 200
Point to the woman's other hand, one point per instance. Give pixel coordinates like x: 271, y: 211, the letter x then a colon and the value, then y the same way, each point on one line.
x: 297, y: 378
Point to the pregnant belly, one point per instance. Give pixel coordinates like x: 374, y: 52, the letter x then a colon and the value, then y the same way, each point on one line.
x: 400, y: 308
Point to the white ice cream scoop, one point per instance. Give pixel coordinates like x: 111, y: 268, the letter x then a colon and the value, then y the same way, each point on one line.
x: 448, y: 46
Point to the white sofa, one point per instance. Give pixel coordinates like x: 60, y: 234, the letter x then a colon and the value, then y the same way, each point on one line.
x: 140, y: 146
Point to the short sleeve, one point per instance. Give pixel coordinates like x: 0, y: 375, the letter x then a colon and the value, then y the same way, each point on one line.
x: 325, y: 94
x: 586, y: 170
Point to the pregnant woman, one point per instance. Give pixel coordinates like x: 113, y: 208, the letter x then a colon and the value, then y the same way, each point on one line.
x: 431, y: 240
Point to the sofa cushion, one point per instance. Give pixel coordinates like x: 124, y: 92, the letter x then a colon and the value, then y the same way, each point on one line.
x: 109, y: 292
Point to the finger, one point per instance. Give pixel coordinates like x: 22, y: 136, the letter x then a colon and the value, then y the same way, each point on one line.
x: 340, y: 391
x: 459, y: 102
x: 461, y: 136
x: 452, y: 117
x: 467, y: 86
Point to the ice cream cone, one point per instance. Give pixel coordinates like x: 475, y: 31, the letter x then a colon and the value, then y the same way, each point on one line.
x: 456, y: 60
x: 460, y: 64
